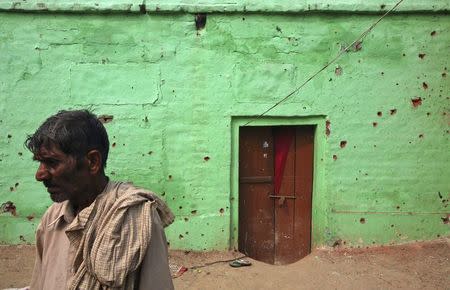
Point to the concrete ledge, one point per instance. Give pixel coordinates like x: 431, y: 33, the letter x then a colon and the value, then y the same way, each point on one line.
x: 191, y: 6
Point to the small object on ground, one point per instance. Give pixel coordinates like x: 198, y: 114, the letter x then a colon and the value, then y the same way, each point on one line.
x: 240, y: 263
x: 176, y: 271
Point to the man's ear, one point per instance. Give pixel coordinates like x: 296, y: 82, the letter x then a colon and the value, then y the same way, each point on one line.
x: 94, y: 158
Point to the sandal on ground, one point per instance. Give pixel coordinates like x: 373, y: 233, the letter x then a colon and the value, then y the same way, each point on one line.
x: 240, y: 263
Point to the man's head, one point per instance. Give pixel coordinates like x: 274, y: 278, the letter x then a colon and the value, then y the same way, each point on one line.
x: 72, y: 149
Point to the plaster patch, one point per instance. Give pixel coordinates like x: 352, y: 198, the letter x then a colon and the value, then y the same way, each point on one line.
x: 114, y: 84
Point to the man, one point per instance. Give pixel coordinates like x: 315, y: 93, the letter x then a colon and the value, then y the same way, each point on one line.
x: 99, y: 234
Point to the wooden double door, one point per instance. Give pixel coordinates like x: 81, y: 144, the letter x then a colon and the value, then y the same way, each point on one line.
x: 275, y: 192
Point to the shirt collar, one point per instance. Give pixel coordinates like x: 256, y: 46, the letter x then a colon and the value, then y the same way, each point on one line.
x: 65, y: 213
x: 79, y: 221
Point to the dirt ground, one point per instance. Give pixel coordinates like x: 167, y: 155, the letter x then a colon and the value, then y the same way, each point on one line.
x: 413, y: 266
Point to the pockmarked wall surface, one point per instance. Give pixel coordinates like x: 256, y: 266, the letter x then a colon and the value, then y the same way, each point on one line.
x: 172, y: 94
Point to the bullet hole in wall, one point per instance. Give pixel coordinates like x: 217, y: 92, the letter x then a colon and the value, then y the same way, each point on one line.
x: 362, y: 220
x: 433, y: 33
x: 393, y: 111
x: 150, y: 152
x: 278, y: 29
x: 30, y: 217
x: 420, y: 135
x: 444, y: 74
x: 379, y: 114
x: 22, y: 238
x: 206, y: 158
x: 170, y: 176
x: 9, y: 136
x: 194, y: 212
x: 221, y: 210
x: 8, y: 207
x: 186, y: 219
x: 180, y: 236
x: 105, y: 118
x: 374, y: 124
x: 19, y: 153
x: 357, y: 46
x: 200, y: 21
x: 416, y: 102
x: 343, y: 143
x: 335, y: 157
x: 382, y: 6
x: 113, y: 144
x: 425, y: 85
x: 422, y: 55
x: 142, y: 8
x: 180, y: 207
x: 327, y: 128
x: 337, y: 243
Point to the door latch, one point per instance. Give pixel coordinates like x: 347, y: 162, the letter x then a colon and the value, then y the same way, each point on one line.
x: 282, y: 198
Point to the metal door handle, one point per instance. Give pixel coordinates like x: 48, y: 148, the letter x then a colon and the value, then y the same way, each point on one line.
x: 282, y: 198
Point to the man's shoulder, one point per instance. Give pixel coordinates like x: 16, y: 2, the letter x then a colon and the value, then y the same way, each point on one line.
x: 126, y: 191
x: 120, y: 188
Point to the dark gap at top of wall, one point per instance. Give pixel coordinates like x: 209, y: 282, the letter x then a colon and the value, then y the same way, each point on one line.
x: 274, y: 13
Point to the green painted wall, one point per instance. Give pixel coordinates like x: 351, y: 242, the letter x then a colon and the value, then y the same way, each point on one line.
x: 179, y: 95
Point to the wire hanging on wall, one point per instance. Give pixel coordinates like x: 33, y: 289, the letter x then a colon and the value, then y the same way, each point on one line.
x: 344, y: 50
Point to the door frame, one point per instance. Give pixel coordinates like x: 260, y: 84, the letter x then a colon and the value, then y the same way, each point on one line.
x: 320, y: 208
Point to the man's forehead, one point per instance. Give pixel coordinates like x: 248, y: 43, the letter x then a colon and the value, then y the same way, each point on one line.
x: 49, y: 150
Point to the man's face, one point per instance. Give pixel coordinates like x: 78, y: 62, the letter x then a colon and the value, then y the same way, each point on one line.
x: 60, y: 174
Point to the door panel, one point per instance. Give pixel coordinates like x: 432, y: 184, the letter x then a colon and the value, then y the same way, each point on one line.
x: 304, y: 164
x: 256, y: 227
x: 285, y: 204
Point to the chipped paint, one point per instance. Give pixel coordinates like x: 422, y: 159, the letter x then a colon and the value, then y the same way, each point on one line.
x: 167, y: 93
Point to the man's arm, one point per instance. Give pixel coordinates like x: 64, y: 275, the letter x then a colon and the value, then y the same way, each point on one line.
x: 36, y: 280
x: 155, y: 272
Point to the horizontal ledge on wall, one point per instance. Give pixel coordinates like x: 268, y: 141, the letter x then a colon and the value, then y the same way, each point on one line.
x: 387, y: 212
x: 143, y: 6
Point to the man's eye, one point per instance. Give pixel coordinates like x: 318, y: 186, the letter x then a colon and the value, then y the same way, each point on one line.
x: 51, y: 162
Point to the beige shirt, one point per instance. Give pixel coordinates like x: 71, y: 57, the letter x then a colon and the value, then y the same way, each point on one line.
x: 55, y: 253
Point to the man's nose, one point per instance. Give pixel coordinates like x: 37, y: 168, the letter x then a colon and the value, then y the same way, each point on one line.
x: 42, y: 173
